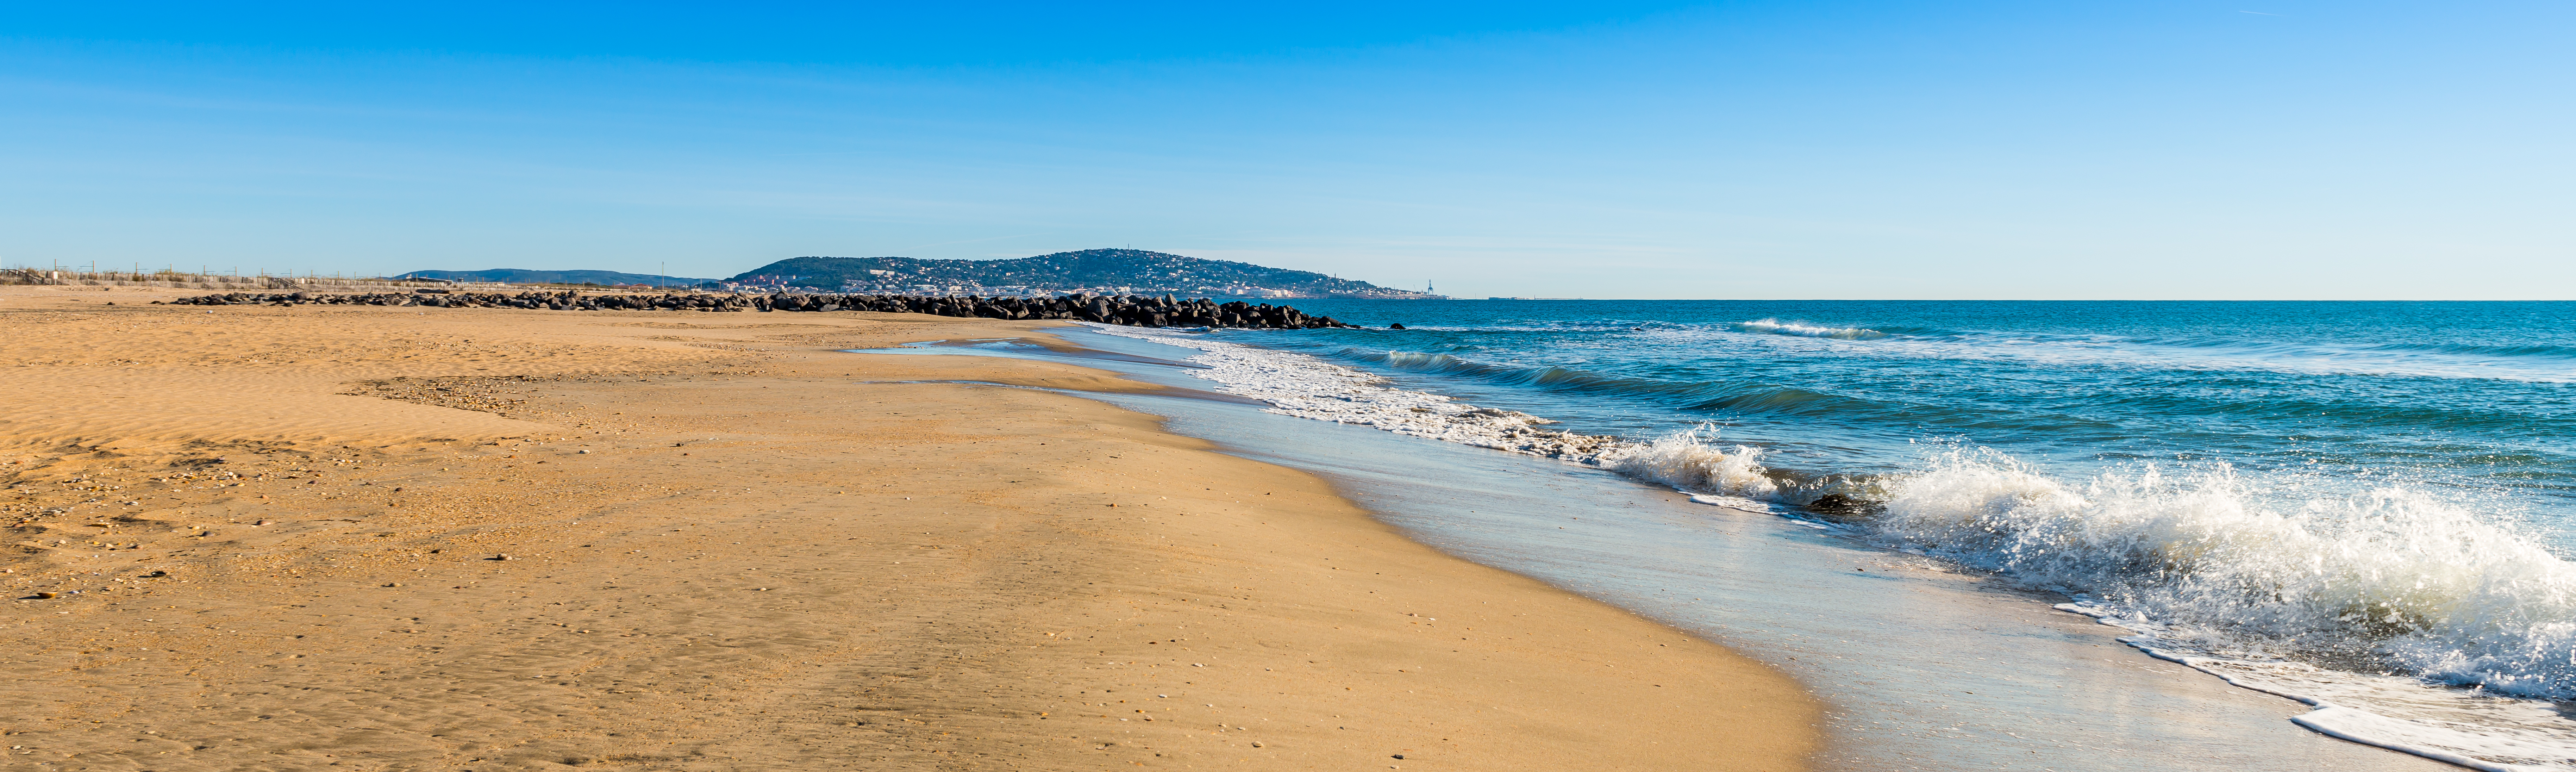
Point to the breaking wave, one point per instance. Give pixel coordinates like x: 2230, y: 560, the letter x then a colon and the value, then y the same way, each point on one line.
x: 1777, y: 327
x: 2395, y: 573
x: 1691, y: 462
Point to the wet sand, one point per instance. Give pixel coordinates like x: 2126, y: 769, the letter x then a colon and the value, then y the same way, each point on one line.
x: 771, y: 555
x: 1926, y: 667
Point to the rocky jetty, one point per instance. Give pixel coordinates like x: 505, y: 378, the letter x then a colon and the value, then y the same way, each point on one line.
x: 1129, y: 310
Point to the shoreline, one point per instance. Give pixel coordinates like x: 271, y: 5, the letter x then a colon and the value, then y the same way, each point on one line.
x: 895, y: 597
x: 1905, y: 640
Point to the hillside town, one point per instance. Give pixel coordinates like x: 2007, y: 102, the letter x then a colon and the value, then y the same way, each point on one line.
x: 895, y: 285
x: 1117, y: 272
x: 1095, y: 272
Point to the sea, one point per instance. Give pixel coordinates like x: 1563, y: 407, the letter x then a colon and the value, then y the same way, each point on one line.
x: 2267, y: 534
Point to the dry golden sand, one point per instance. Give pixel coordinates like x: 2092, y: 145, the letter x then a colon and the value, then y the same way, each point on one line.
x: 272, y: 532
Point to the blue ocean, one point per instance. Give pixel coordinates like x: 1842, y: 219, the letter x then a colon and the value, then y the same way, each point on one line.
x: 2363, y: 506
x: 2468, y: 399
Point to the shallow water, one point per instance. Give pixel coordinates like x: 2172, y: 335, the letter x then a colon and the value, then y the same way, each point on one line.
x: 1922, y: 667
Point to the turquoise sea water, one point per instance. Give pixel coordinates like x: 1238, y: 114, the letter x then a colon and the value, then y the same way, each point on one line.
x: 2473, y: 399
x: 2361, y: 505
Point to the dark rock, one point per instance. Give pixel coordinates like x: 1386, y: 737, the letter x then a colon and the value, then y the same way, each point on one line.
x: 1135, y: 310
x: 1836, y: 504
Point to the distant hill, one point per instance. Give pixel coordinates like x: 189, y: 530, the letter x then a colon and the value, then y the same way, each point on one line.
x: 525, y: 276
x: 1121, y: 271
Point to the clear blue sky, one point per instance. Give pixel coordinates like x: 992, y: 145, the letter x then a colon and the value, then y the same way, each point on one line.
x: 2084, y: 149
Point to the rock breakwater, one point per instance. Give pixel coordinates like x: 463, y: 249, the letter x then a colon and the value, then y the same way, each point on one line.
x: 1129, y: 310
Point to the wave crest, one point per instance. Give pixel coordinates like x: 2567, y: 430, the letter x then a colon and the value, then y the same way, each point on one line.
x: 1777, y: 327
x: 2397, y: 574
x: 1689, y: 461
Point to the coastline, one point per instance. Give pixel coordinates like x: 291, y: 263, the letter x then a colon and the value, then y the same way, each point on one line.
x: 810, y: 558
x: 1902, y: 647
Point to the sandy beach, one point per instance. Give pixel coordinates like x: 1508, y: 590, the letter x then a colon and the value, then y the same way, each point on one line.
x: 405, y: 538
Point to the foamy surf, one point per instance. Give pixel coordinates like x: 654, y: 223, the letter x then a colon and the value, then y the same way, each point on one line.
x: 1734, y: 502
x: 2249, y: 584
x: 1306, y: 387
x: 2393, y: 712
x: 2431, y: 586
x: 1777, y: 327
x: 2474, y: 617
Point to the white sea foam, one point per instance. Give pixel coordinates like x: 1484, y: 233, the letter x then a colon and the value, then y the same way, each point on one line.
x: 2439, y: 590
x: 1687, y: 461
x: 2547, y: 364
x: 2217, y: 578
x: 1306, y: 387
x: 1777, y: 327
x: 2398, y: 713
x: 2208, y: 572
